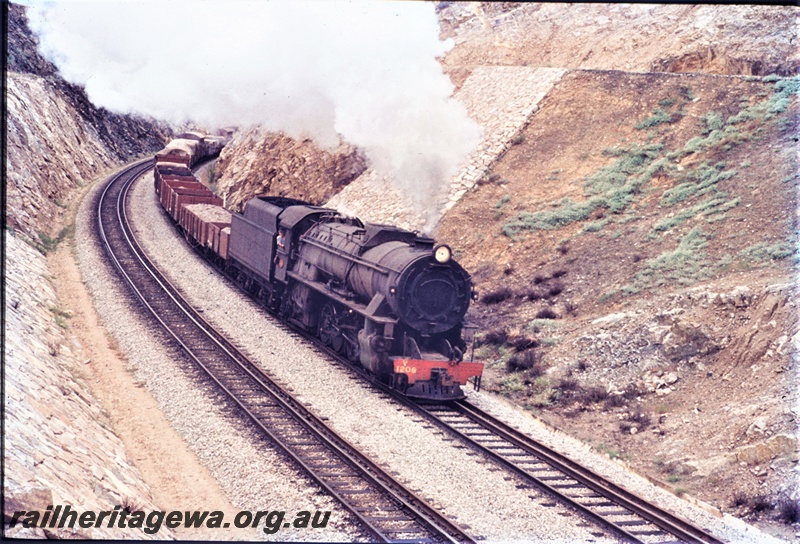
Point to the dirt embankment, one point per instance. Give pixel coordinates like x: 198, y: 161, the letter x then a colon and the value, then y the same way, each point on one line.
x: 640, y: 227
x: 635, y: 247
x: 742, y: 40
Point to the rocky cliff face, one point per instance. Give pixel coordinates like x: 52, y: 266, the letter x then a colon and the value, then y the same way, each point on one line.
x: 59, y: 448
x: 258, y: 162
x: 57, y: 140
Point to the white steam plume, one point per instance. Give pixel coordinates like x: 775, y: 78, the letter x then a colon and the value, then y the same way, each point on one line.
x: 365, y: 71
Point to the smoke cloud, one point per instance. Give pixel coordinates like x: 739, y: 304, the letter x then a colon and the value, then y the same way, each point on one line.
x: 363, y: 71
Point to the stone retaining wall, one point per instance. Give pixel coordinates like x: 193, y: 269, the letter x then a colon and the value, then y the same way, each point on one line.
x: 59, y: 448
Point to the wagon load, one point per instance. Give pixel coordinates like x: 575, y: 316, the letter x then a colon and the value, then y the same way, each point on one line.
x: 204, y: 223
x: 171, y: 170
x: 183, y: 196
x: 180, y: 151
x: 384, y: 298
x: 176, y: 193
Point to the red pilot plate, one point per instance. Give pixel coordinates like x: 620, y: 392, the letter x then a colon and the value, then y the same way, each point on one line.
x: 417, y: 369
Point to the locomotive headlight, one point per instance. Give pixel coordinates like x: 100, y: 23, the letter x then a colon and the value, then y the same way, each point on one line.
x: 442, y: 254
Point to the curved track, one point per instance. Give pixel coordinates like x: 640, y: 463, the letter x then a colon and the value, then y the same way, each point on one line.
x: 591, y: 496
x: 387, y: 510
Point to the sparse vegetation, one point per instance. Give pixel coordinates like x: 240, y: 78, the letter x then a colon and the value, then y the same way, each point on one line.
x: 513, y: 383
x: 527, y: 360
x: 522, y: 343
x: 596, y: 226
x: 537, y: 324
x: 615, y: 187
x: 699, y: 182
x: 495, y: 337
x: 682, y: 266
x: 611, y: 452
x: 612, y: 188
x: 546, y: 313
x: 789, y: 511
x: 709, y: 207
x: 555, y: 289
x: 763, y: 252
x: 497, y: 296
x: 659, y: 116
x: 46, y: 244
x: 502, y: 201
x: 553, y: 175
x: 666, y: 102
x: 490, y: 178
x: 713, y: 121
x: 60, y: 316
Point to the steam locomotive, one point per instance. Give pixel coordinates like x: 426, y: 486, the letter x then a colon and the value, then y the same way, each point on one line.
x: 386, y: 298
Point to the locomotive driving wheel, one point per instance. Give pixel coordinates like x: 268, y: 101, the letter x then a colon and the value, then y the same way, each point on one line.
x: 329, y: 331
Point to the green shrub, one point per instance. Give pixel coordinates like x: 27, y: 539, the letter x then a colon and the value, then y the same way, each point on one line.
x: 765, y: 252
x: 659, y: 116
x: 711, y: 121
x: 568, y: 212
x: 741, y: 117
x: 47, y: 244
x: 512, y: 384
x: 502, y: 201
x: 595, y: 226
x: 683, y: 265
x: 673, y: 221
x: 679, y: 193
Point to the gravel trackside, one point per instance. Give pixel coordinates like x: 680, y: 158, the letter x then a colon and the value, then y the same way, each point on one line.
x: 252, y: 475
x: 705, y: 516
x: 474, y: 493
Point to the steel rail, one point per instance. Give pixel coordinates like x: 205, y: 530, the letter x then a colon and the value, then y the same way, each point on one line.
x: 663, y: 523
x: 436, y: 527
x: 669, y: 523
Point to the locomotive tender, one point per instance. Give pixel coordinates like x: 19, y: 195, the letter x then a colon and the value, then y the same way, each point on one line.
x: 385, y: 298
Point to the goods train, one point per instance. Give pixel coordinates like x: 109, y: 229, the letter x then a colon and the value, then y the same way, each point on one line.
x: 386, y: 298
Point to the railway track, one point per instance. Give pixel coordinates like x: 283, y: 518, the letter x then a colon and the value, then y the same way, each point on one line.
x: 593, y: 497
x: 624, y: 514
x: 388, y: 511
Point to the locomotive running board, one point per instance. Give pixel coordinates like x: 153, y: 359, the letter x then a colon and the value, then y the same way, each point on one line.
x: 357, y: 306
